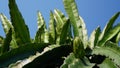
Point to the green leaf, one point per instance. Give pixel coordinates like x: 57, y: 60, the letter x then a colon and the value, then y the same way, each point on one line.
x: 118, y: 38
x: 79, y: 28
x: 84, y: 32
x: 53, y: 56
x: 107, y: 63
x: 94, y: 37
x: 52, y: 29
x: 109, y: 50
x: 21, y: 53
x: 41, y: 21
x: 109, y: 25
x: 64, y: 32
x: 78, y: 48
x: 60, y: 25
x: 42, y: 35
x: 60, y: 20
x: 7, y: 25
x: 110, y: 34
x: 71, y: 9
x: 6, y: 44
x: 72, y: 62
x: 21, y: 30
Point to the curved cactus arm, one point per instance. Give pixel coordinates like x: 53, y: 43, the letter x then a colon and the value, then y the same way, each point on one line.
x: 109, y: 50
x: 72, y: 62
x: 107, y: 63
x: 51, y: 56
x: 20, y: 53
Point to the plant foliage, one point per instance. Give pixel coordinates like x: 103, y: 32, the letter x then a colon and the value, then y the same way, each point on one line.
x: 65, y: 44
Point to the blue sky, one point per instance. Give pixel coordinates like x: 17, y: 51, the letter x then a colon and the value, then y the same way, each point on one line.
x: 94, y: 12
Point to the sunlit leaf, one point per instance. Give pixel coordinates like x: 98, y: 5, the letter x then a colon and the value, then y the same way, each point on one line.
x: 109, y: 25
x: 110, y: 34
x: 52, y: 28
x: 7, y: 25
x: 42, y: 33
x: 94, y: 37
x: 71, y: 9
x: 72, y: 62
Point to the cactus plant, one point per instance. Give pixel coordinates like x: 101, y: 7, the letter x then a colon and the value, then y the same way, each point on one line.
x: 64, y: 44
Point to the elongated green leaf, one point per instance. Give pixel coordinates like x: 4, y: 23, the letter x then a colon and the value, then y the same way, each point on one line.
x: 71, y: 9
x: 60, y: 18
x: 6, y: 44
x: 55, y: 56
x: 84, y: 32
x: 42, y: 33
x: 64, y: 32
x: 52, y: 29
x: 20, y: 53
x: 94, y: 37
x: 7, y: 25
x: 110, y: 50
x: 41, y: 21
x: 78, y: 48
x: 72, y: 62
x: 110, y: 34
x: 60, y: 22
x: 79, y: 28
x: 109, y: 25
x: 21, y: 30
x: 107, y: 63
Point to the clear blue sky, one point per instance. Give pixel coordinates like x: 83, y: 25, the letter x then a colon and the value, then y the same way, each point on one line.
x: 94, y: 12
